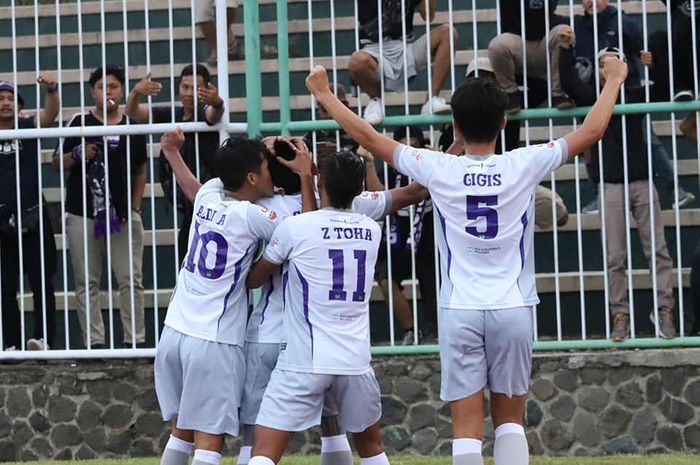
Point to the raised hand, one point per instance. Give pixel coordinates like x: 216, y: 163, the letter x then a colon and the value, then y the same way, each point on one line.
x: 209, y: 95
x: 317, y: 80
x: 47, y: 81
x: 171, y: 142
x: 614, y: 69
x: 146, y: 87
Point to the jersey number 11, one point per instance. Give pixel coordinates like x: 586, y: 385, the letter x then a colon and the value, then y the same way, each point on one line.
x: 338, y: 292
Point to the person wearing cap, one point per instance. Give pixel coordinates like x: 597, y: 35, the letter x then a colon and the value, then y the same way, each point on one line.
x: 20, y: 219
x: 113, y: 205
x: 365, y: 69
x: 506, y: 49
x: 640, y: 203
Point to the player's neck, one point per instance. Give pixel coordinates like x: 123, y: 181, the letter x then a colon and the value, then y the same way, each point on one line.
x: 480, y: 149
x: 242, y: 194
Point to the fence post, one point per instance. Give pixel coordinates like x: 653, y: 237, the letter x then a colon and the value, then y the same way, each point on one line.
x: 283, y: 65
x: 251, y: 18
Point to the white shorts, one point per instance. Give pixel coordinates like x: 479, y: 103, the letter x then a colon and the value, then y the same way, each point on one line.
x: 199, y: 382
x: 205, y: 11
x: 260, y: 360
x: 294, y: 401
x: 480, y: 348
x: 392, y: 60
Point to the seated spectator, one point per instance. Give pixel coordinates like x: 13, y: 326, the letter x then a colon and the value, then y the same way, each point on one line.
x: 585, y: 55
x: 205, y: 17
x: 682, y: 47
x: 506, y: 50
x: 399, y: 243
x: 210, y: 109
x: 364, y: 66
x: 22, y: 155
x: 114, y: 207
x: 639, y: 203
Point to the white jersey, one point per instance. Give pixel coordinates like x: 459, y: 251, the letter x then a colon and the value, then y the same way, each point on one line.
x: 265, y: 323
x: 210, y: 300
x: 327, y: 284
x: 486, y: 211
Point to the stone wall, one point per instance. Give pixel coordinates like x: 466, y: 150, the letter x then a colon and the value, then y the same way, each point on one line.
x: 583, y: 403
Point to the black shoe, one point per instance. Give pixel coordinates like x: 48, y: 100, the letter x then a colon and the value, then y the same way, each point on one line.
x: 562, y: 102
x: 98, y: 346
x: 514, y: 105
x: 683, y: 95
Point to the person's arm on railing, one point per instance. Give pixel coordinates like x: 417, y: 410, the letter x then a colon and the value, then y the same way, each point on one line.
x: 408, y: 195
x: 52, y: 104
x: 595, y: 124
x: 358, y: 129
x: 170, y: 145
x: 145, y: 87
x: 139, y: 182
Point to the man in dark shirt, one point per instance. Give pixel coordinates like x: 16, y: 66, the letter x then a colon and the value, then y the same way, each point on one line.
x: 198, y: 148
x: 640, y: 203
x: 364, y: 66
x: 97, y: 209
x: 506, y: 49
x: 25, y: 225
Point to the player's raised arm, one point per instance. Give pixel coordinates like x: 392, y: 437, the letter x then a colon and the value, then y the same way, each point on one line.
x: 357, y: 128
x: 595, y: 124
x: 170, y: 144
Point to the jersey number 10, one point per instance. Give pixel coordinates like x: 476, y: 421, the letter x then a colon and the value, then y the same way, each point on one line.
x: 338, y: 292
x: 221, y: 253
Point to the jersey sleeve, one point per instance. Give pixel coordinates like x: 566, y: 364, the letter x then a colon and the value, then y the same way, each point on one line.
x: 262, y: 221
x: 420, y: 164
x: 280, y: 245
x: 375, y: 205
x: 540, y: 160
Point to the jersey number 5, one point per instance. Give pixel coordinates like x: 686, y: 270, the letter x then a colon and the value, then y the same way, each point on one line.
x: 221, y: 252
x: 475, y: 210
x: 338, y: 292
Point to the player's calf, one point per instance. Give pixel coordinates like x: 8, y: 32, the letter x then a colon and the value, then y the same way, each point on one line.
x: 335, y: 448
x: 269, y: 445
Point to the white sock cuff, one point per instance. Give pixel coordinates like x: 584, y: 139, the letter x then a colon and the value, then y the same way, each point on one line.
x: 466, y: 446
x: 244, y: 455
x: 380, y: 459
x: 334, y: 443
x: 509, y: 428
x: 207, y: 456
x: 179, y: 445
x: 260, y: 460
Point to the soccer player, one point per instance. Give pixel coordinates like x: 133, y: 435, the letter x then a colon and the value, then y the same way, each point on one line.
x: 331, y: 255
x: 485, y: 208
x: 265, y: 327
x: 199, y: 366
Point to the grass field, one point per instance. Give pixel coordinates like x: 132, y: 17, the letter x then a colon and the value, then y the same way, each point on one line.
x: 666, y: 459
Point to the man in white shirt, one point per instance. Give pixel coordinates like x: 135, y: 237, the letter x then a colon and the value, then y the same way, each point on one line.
x: 200, y: 366
x: 484, y: 204
x: 330, y: 257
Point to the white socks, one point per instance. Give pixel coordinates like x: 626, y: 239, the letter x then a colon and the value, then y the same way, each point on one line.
x: 244, y: 455
x: 335, y: 450
x: 206, y: 457
x: 176, y: 452
x: 379, y: 459
x: 510, y: 447
x: 466, y: 451
x: 260, y: 460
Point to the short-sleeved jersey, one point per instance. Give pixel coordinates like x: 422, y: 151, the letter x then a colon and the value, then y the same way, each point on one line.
x: 210, y: 300
x: 327, y: 283
x: 265, y: 323
x: 485, y: 210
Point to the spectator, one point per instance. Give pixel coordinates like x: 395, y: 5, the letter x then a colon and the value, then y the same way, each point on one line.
x: 345, y: 142
x: 210, y: 109
x: 585, y: 52
x: 25, y: 153
x: 689, y: 127
x: 364, y: 66
x: 506, y: 50
x: 399, y: 241
x: 205, y: 17
x: 695, y: 289
x: 639, y: 203
x: 107, y: 207
x: 682, y: 47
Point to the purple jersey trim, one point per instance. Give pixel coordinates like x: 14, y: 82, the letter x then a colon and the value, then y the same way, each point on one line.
x: 523, y: 220
x: 444, y: 235
x: 305, y: 292
x: 267, y: 300
x: 236, y: 278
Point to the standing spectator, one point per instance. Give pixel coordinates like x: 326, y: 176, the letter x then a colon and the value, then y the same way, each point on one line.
x: 639, y: 202
x: 364, y: 66
x: 210, y: 109
x: 402, y: 232
x: 506, y: 50
x: 586, y: 51
x: 682, y: 47
x: 205, y: 17
x: 22, y: 155
x: 107, y: 207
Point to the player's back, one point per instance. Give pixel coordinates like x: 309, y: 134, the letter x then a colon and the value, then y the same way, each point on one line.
x: 485, y: 210
x: 328, y: 280
x: 210, y: 300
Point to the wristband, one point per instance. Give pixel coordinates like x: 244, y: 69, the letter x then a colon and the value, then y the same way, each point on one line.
x: 52, y: 90
x: 77, y: 153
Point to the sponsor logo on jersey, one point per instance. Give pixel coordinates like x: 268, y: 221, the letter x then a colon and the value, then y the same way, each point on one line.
x: 269, y: 213
x: 417, y: 155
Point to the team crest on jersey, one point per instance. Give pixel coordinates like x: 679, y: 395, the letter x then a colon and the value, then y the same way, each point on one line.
x: 371, y: 195
x: 417, y: 155
x: 550, y: 145
x: 274, y: 242
x: 269, y: 213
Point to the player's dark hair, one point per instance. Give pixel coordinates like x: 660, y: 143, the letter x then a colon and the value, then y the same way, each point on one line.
x: 282, y: 176
x: 237, y: 157
x: 343, y: 176
x: 113, y: 70
x: 201, y: 71
x: 412, y: 131
x: 478, y: 107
